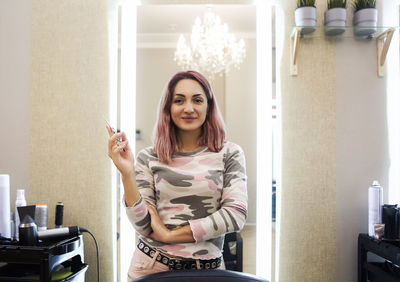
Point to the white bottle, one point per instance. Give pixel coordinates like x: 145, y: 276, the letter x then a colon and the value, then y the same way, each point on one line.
x: 375, y: 203
x: 19, y: 202
x: 5, y: 205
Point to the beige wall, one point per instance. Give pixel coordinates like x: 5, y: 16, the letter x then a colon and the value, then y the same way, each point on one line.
x: 308, y: 211
x: 69, y: 98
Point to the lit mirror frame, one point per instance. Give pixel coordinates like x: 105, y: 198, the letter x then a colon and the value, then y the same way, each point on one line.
x: 264, y: 126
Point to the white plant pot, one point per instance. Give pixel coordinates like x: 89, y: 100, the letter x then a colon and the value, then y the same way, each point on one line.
x: 335, y: 21
x: 365, y: 22
x: 306, y: 18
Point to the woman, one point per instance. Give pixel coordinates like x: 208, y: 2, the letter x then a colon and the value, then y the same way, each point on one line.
x: 189, y: 189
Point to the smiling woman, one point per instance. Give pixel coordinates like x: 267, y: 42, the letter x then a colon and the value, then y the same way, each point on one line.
x: 236, y: 94
x: 189, y: 189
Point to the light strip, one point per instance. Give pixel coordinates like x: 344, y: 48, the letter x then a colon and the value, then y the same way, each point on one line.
x: 264, y: 139
x: 113, y: 106
x: 128, y: 119
x: 279, y: 41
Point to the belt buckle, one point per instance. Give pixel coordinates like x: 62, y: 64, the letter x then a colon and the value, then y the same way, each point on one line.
x: 175, y: 264
x: 178, y: 266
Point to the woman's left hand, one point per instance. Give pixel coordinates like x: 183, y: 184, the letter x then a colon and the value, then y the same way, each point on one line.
x: 160, y: 232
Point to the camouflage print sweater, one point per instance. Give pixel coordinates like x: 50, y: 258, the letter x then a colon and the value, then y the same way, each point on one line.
x: 202, y: 188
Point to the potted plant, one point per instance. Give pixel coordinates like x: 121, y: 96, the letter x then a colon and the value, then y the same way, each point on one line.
x: 365, y: 17
x: 335, y: 17
x: 306, y: 15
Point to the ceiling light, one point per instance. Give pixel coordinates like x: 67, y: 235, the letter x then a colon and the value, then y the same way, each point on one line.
x: 212, y: 50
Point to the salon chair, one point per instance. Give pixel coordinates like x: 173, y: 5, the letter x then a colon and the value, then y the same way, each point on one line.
x: 233, y: 251
x: 202, y: 275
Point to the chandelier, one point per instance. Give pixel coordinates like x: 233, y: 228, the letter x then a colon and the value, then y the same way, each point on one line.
x: 212, y: 50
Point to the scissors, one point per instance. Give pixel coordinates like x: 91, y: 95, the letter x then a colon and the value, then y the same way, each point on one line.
x: 114, y: 131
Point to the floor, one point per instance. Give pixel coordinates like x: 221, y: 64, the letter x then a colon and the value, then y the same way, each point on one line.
x: 249, y: 248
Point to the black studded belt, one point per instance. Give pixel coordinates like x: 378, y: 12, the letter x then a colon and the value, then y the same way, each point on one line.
x: 179, y: 264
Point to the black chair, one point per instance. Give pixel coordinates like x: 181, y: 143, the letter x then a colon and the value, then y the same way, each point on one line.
x: 233, y: 251
x: 202, y: 275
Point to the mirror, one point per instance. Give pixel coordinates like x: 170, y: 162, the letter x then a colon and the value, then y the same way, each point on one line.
x: 158, y: 30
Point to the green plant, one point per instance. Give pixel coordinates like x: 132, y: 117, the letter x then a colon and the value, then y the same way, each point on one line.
x: 305, y: 3
x: 337, y: 4
x: 363, y: 4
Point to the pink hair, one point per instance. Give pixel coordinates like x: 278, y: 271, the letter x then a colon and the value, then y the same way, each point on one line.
x: 165, y: 131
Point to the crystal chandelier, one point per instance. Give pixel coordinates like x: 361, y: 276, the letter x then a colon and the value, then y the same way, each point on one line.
x: 213, y: 49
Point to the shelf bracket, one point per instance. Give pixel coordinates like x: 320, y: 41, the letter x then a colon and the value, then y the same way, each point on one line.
x: 382, y: 47
x: 294, y: 46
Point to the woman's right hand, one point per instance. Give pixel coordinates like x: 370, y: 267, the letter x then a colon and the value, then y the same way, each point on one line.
x: 120, y: 153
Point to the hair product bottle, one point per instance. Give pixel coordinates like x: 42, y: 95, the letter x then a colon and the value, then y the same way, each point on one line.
x: 375, y: 203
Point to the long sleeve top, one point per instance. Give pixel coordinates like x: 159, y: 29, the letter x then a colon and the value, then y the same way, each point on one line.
x: 202, y: 188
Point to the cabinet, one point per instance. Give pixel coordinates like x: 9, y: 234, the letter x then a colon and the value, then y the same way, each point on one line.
x: 383, y: 37
x: 38, y: 263
x: 387, y: 271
